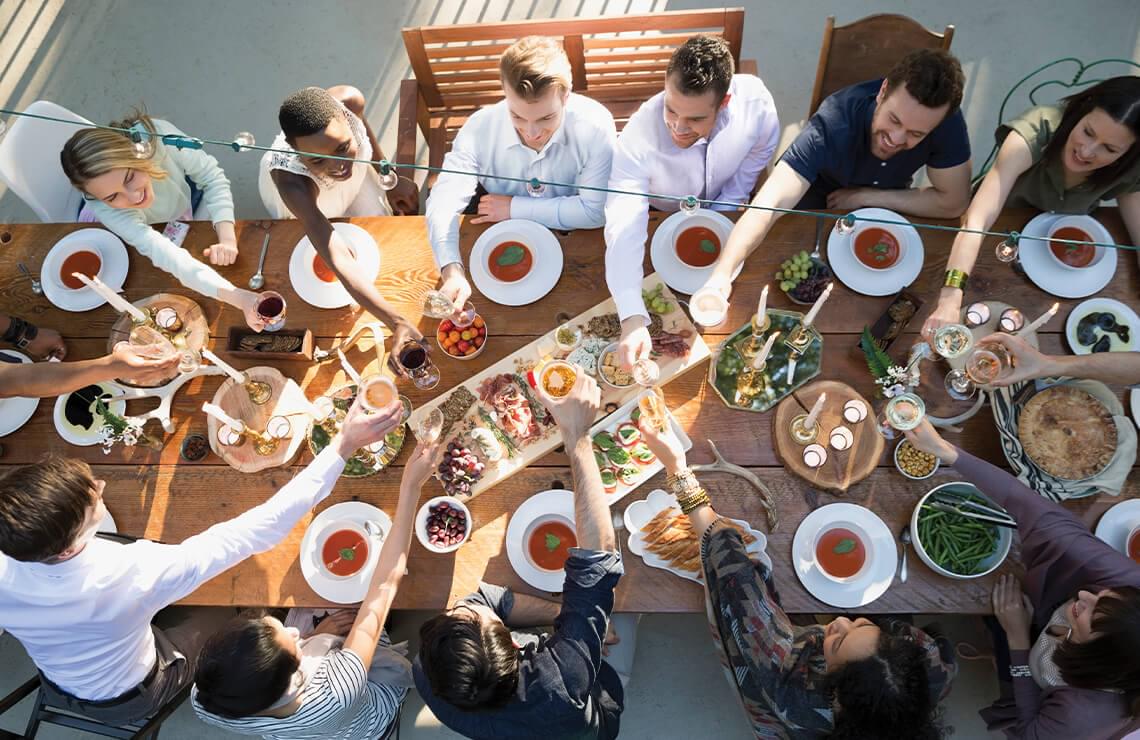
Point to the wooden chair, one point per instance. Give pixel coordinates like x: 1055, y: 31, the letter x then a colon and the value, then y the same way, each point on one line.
x: 867, y: 49
x: 456, y: 68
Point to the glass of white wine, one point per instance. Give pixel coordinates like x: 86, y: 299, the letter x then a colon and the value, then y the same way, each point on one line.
x: 902, y: 413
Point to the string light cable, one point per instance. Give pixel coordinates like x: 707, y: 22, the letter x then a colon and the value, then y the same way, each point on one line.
x: 244, y: 141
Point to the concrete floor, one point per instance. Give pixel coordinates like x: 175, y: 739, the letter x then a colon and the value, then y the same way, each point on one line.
x: 216, y: 68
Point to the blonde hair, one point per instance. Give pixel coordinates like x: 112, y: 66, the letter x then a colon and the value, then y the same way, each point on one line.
x: 92, y: 152
x: 532, y: 64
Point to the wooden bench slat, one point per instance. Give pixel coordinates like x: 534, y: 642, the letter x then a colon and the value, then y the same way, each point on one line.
x: 664, y: 40
x: 493, y: 51
x: 668, y: 20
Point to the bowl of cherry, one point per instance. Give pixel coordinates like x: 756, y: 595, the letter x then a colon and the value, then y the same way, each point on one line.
x: 443, y: 524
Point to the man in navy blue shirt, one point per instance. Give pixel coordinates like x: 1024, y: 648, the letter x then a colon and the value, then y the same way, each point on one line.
x: 484, y: 681
x: 863, y: 147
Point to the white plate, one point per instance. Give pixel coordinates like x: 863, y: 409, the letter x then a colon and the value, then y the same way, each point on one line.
x: 559, y: 502
x: 1117, y: 522
x: 611, y: 422
x: 353, y: 588
x: 869, y: 585
x: 862, y: 279
x: 638, y: 514
x: 1134, y: 402
x: 1048, y: 275
x: 546, y: 251
x: 317, y: 292
x: 676, y: 274
x: 1099, y: 305
x: 77, y: 435
x: 113, y: 272
x: 15, y: 412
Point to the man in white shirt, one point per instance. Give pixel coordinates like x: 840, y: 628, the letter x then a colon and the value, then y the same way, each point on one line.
x: 83, y: 606
x: 540, y: 130
x: 708, y: 134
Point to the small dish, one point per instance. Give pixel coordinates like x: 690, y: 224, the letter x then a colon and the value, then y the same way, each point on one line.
x: 425, y: 513
x: 452, y: 346
x: 899, y: 467
x: 989, y: 564
x: 611, y: 351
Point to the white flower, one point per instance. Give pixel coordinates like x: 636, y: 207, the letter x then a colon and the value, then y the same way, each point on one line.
x: 894, y: 390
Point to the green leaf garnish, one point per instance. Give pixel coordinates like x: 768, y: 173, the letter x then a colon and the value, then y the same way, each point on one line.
x: 552, y: 542
x: 512, y: 255
x: 347, y: 553
x: 707, y: 246
x: 845, y: 546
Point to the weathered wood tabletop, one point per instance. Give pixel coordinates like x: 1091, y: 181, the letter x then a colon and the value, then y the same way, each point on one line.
x: 155, y: 495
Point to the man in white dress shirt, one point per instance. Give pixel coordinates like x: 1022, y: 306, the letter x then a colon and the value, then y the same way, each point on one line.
x: 539, y: 130
x: 708, y: 134
x: 83, y: 606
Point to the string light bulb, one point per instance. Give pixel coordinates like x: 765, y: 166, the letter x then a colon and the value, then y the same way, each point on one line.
x: 690, y: 204
x: 1007, y: 249
x: 845, y: 225
x: 388, y: 177
x: 244, y: 140
x: 142, y: 139
x: 535, y: 187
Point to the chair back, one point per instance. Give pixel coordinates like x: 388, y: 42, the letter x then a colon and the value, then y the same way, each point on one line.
x: 867, y: 49
x: 29, y: 162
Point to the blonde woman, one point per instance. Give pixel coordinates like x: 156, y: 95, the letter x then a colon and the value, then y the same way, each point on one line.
x: 127, y: 191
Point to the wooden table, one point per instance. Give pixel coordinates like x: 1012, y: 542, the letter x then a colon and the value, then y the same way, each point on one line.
x: 154, y: 494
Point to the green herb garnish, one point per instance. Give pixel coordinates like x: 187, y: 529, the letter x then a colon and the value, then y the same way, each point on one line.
x: 845, y: 546
x: 552, y: 543
x: 707, y: 246
x: 512, y: 255
x: 347, y: 553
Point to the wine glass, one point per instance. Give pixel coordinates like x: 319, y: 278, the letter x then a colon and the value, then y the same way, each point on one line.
x: 902, y: 413
x: 271, y: 308
x: 428, y: 429
x: 414, y: 360
x: 189, y: 360
x: 988, y: 362
x: 646, y: 372
x: 436, y: 305
x: 149, y: 343
x: 953, y: 340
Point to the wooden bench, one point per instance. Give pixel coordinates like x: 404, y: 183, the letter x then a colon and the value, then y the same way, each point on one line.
x: 617, y: 60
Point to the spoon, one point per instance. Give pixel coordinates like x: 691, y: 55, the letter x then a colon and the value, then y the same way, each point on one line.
x: 257, y: 281
x: 818, y: 236
x: 36, y: 287
x: 904, y: 538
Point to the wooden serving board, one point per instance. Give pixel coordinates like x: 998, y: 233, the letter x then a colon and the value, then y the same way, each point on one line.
x: 544, y: 348
x: 195, y: 332
x: 843, y: 468
x: 288, y: 400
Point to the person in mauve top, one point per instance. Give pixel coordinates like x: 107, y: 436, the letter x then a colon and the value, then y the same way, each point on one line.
x: 314, y: 189
x: 480, y: 682
x: 539, y: 130
x: 1029, y: 363
x: 847, y: 680
x: 92, y: 613
x: 1070, y: 665
x: 862, y: 148
x: 1062, y: 159
x: 128, y: 186
x: 708, y: 134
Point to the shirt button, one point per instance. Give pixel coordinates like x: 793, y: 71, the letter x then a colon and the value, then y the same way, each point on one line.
x: 882, y: 164
x: 875, y: 182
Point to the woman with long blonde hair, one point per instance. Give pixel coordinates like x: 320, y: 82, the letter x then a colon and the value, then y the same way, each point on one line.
x: 127, y: 188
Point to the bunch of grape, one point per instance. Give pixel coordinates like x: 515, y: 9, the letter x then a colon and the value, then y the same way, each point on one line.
x: 793, y: 270
x: 459, y: 470
x: 446, y: 525
x: 656, y: 301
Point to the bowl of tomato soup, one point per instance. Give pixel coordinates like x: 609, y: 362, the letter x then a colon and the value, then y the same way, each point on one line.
x: 548, y: 542
x: 698, y: 240
x: 877, y: 247
x: 344, y: 549
x: 842, y: 551
x: 85, y: 260
x: 510, y: 261
x: 1133, y: 544
x: 1073, y: 256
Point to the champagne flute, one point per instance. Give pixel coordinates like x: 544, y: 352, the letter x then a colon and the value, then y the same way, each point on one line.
x: 429, y: 427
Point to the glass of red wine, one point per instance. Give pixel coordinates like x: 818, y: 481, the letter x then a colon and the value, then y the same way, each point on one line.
x: 417, y: 365
x: 271, y: 308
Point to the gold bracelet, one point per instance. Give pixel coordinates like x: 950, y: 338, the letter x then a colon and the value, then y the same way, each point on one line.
x: 682, y: 482
x: 695, y: 501
x: 956, y: 279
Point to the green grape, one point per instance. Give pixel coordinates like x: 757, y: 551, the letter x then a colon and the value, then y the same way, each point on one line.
x: 787, y: 285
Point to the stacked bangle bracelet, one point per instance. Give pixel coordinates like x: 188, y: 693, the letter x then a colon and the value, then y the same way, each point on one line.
x: 20, y: 332
x: 956, y: 279
x: 690, y: 495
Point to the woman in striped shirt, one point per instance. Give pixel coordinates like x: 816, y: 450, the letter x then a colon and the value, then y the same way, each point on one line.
x: 257, y: 677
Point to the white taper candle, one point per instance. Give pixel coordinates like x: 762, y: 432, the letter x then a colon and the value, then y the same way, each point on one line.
x: 239, y: 377
x: 117, y: 302
x: 216, y: 412
x: 818, y: 305
x: 1040, y: 321
x: 813, y: 415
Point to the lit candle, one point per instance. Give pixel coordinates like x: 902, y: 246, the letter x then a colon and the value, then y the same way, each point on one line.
x: 216, y: 412
x: 116, y: 301
x: 762, y: 356
x: 813, y: 415
x: 238, y: 377
x: 818, y: 305
x: 762, y: 307
x: 1040, y: 321
x: 348, y: 368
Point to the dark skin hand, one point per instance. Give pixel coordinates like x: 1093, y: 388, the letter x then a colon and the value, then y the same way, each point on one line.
x: 405, y: 197
x: 48, y: 342
x: 300, y: 195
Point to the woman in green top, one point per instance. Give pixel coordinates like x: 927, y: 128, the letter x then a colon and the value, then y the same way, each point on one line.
x: 1065, y: 160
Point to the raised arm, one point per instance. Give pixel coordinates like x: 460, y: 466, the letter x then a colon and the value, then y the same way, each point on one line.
x: 40, y: 379
x: 946, y: 197
x: 1013, y: 159
x: 1029, y: 363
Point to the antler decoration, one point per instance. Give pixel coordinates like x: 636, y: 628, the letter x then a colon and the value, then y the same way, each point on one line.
x: 724, y: 466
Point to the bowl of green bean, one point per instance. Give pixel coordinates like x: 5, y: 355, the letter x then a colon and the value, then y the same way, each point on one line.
x: 955, y: 545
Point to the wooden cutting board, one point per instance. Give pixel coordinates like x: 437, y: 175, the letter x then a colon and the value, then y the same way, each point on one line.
x: 195, y: 333
x: 287, y: 400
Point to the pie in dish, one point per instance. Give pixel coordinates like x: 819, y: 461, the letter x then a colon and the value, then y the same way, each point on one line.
x: 1068, y: 433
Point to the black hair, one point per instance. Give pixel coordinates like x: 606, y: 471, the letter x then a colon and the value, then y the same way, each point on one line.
x: 242, y: 669
x: 1108, y: 661
x: 702, y: 63
x: 469, y: 664
x: 933, y: 77
x: 43, y: 507
x: 307, y: 112
x: 886, y: 695
x: 1119, y: 97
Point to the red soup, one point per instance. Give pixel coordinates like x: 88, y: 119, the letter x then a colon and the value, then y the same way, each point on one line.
x: 877, y: 248
x: 840, y: 553
x: 697, y: 246
x: 550, y: 544
x: 344, y: 552
x: 84, y: 262
x: 321, y: 269
x: 510, y: 262
x: 1073, y: 255
x: 1134, y: 546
